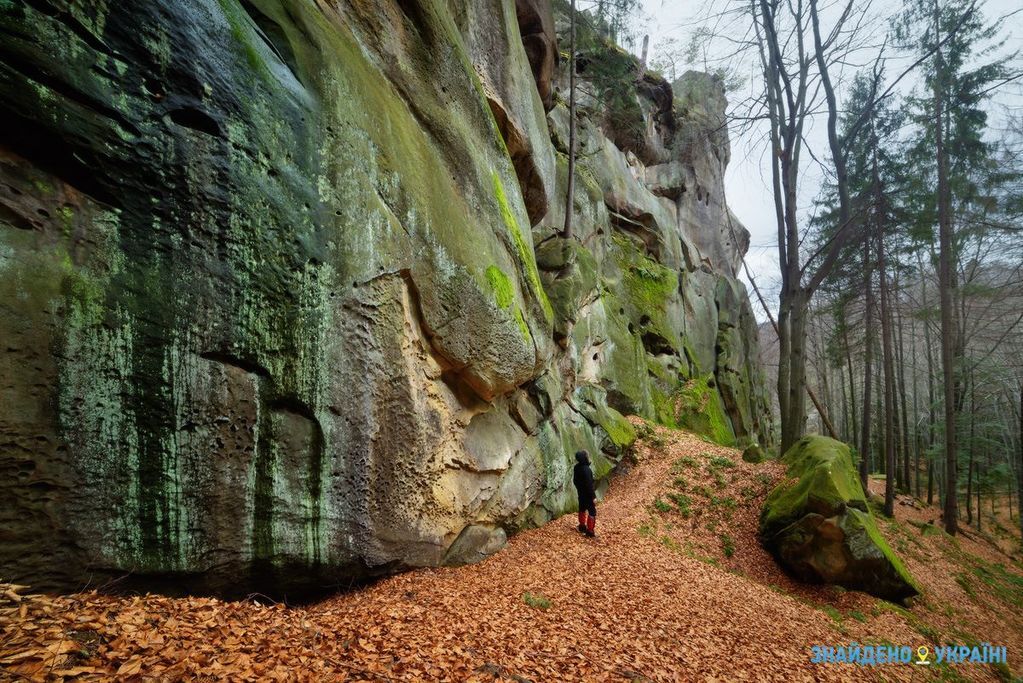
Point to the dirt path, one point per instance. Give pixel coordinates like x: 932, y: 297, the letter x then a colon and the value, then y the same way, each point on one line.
x: 654, y: 597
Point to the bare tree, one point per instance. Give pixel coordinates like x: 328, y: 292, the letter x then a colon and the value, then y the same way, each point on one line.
x: 794, y: 71
x: 570, y: 193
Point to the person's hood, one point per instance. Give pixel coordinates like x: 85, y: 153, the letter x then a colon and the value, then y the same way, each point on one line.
x: 582, y: 457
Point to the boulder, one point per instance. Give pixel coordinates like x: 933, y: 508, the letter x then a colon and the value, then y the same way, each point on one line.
x: 818, y: 525
x: 475, y: 543
x: 754, y: 453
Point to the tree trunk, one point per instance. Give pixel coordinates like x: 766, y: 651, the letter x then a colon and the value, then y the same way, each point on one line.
x: 879, y: 216
x: 889, y: 382
x: 794, y: 426
x: 970, y: 446
x: 852, y: 385
x: 897, y: 427
x: 917, y: 440
x: 1019, y: 471
x: 1009, y: 492
x: 969, y: 490
x: 570, y: 194
x: 784, y: 360
x: 845, y: 406
x: 931, y: 474
x: 877, y: 447
x: 979, y: 509
x: 868, y: 352
x: 901, y: 386
x: 946, y: 283
x: 980, y: 485
x: 930, y: 481
x: 821, y: 365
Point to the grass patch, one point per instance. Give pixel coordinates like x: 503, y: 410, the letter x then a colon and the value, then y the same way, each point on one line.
x: 537, y: 601
x: 1006, y: 586
x: 833, y: 612
x: 682, y: 463
x: 727, y: 545
x: 885, y: 606
x: 660, y: 505
x: 702, y: 491
x: 680, y: 483
x: 748, y: 492
x: 964, y: 582
x: 670, y: 543
x: 650, y: 437
x: 682, y: 502
x: 728, y: 502
x: 927, y: 631
x: 943, y: 672
x: 721, y: 462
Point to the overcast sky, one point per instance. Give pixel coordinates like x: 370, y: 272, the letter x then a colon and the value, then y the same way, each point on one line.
x: 748, y: 179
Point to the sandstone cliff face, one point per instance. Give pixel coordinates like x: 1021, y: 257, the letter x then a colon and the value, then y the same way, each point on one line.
x: 282, y: 302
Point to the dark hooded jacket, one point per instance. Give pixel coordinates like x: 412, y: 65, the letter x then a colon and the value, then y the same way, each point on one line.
x: 582, y: 477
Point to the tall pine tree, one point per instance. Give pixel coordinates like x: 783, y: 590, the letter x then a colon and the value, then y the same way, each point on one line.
x: 950, y: 148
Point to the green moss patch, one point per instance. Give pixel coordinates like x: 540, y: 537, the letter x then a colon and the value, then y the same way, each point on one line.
x: 501, y: 286
x: 698, y: 407
x: 825, y: 484
x: 525, y: 252
x: 594, y: 407
x: 647, y: 287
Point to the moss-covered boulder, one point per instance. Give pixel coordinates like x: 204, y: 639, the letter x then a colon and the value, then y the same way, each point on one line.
x: 819, y: 527
x: 754, y: 453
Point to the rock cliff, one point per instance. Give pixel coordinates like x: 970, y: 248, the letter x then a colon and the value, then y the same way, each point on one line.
x: 283, y: 299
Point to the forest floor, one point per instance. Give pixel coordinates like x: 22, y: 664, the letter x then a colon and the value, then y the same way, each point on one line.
x: 674, y: 588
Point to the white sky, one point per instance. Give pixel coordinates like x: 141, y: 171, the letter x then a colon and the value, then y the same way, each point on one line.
x: 748, y: 179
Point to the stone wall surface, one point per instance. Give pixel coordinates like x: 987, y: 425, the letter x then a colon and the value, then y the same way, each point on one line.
x: 283, y: 298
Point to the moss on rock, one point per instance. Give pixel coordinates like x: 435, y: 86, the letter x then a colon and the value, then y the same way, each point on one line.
x: 754, y: 453
x: 567, y: 288
x: 647, y: 288
x: 593, y: 406
x: 524, y: 250
x: 695, y: 405
x: 501, y: 286
x: 819, y: 527
x: 826, y: 484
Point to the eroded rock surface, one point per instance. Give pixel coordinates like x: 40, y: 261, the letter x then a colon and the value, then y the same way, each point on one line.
x: 273, y: 313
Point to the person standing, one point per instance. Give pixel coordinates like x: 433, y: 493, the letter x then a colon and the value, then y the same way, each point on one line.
x: 582, y: 477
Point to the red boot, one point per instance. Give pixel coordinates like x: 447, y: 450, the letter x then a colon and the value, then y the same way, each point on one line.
x: 583, y: 524
x: 591, y: 522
